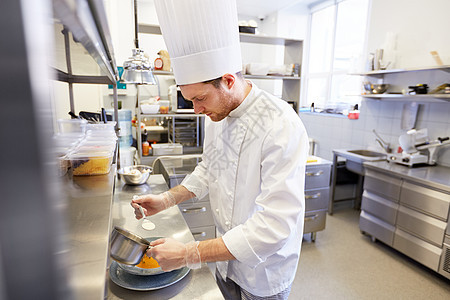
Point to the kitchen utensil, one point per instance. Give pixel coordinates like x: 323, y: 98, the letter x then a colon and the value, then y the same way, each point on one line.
x: 146, y: 223
x: 375, y: 88
x: 418, y: 89
x: 135, y: 175
x: 379, y: 88
x: 104, y: 117
x: 127, y: 247
x: 145, y: 283
x: 135, y: 270
x: 378, y: 59
x: 94, y: 117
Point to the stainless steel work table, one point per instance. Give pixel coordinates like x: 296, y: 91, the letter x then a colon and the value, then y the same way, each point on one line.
x: 433, y: 176
x: 198, y: 284
x: 88, y: 227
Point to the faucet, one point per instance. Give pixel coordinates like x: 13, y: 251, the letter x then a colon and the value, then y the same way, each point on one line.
x: 382, y: 143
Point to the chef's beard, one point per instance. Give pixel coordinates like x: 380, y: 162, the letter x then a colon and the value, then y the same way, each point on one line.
x: 226, y: 105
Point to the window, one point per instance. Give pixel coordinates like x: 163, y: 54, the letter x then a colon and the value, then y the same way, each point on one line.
x: 336, y: 50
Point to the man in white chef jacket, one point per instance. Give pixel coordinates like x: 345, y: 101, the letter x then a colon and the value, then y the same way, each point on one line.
x: 253, y: 161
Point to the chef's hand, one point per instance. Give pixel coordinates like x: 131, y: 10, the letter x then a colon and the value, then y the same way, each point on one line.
x: 152, y: 204
x: 171, y: 254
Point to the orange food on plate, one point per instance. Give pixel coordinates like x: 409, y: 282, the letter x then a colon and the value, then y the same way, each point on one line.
x: 148, y: 263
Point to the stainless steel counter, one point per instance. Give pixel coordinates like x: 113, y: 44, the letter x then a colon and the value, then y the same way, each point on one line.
x: 88, y: 226
x: 198, y: 284
x: 433, y: 176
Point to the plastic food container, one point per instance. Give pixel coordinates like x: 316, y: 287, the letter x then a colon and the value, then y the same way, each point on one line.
x: 150, y: 108
x: 167, y: 149
x: 103, y: 142
x: 98, y: 135
x: 257, y: 68
x: 72, y: 125
x: 102, y: 126
x: 90, y: 163
x: 164, y: 106
x: 95, y: 148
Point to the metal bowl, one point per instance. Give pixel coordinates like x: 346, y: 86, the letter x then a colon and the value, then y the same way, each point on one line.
x: 379, y: 88
x: 135, y: 175
x: 127, y: 247
x: 375, y: 88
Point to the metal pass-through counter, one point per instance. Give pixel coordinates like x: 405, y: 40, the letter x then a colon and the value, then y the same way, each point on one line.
x: 197, y: 284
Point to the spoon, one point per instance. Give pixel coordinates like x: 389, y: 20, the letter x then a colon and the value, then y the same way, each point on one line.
x: 146, y: 223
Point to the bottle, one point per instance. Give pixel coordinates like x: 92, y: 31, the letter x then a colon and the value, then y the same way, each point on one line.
x: 145, y: 144
x: 354, y: 114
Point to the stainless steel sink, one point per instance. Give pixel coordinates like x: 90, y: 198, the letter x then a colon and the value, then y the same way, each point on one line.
x: 367, y: 153
x: 354, y: 163
x: 356, y: 158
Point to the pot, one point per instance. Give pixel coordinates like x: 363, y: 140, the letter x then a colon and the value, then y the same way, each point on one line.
x: 126, y: 247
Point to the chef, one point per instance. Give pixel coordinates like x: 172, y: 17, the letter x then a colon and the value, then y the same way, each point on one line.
x: 253, y: 161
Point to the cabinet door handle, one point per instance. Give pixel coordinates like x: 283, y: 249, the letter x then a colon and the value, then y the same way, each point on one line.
x: 311, y: 218
x: 194, y: 210
x: 315, y: 196
x: 199, y: 234
x: 318, y: 173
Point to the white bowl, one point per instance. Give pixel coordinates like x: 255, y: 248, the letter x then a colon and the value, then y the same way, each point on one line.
x: 150, y: 108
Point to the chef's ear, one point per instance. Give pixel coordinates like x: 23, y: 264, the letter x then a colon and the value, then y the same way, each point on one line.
x: 229, y: 80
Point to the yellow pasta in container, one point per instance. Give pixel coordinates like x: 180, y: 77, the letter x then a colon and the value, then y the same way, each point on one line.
x: 91, y: 163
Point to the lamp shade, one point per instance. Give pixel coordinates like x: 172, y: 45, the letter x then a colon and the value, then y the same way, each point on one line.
x: 137, y: 69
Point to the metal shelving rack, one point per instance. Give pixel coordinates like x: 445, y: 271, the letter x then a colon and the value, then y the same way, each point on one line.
x: 293, y: 51
x: 426, y: 98
x: 291, y: 84
x: 33, y: 203
x: 88, y: 24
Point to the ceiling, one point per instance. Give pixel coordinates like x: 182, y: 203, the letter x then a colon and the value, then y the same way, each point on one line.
x: 263, y: 8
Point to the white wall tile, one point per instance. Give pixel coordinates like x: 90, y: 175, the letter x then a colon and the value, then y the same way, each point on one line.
x: 439, y: 112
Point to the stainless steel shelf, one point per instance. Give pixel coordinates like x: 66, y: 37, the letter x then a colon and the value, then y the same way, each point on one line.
x: 396, y: 97
x: 173, y: 115
x: 268, y: 40
x: 292, y: 54
x: 445, y: 68
x: 166, y: 73
x: 244, y: 37
x: 87, y: 21
x: 272, y: 77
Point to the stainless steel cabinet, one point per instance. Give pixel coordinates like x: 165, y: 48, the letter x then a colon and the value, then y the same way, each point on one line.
x: 197, y: 214
x: 409, y: 216
x: 199, y: 218
x: 317, y: 196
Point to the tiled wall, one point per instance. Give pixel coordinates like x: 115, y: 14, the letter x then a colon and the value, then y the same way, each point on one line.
x: 337, y: 132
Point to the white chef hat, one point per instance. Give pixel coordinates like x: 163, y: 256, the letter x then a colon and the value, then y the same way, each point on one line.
x: 202, y: 38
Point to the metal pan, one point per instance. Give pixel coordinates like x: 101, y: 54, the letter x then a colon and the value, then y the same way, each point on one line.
x: 127, y: 247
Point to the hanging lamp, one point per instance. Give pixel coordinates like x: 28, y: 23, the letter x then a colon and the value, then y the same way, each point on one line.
x: 137, y: 69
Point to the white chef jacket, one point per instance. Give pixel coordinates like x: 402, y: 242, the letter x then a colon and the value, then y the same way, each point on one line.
x: 253, y: 167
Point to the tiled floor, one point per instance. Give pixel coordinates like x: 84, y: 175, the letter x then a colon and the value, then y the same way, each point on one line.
x: 344, y: 264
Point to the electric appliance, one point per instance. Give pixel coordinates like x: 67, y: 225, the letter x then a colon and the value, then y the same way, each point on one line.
x: 417, y: 149
x: 177, y: 102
